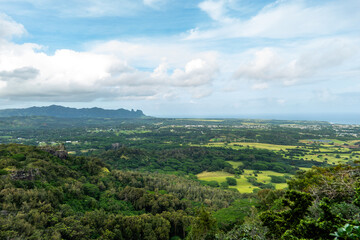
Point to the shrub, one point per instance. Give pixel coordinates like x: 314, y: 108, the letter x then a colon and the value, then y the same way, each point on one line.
x: 231, y: 181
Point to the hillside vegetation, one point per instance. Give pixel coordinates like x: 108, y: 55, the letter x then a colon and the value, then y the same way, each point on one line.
x: 148, y: 178
x: 47, y: 195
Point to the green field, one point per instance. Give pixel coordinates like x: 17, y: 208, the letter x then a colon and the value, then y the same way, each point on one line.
x: 242, y: 184
x: 235, y: 164
x: 216, y: 142
x: 272, y: 147
x: 330, y: 151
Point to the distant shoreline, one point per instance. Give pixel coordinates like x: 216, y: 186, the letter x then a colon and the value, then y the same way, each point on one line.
x: 345, y: 118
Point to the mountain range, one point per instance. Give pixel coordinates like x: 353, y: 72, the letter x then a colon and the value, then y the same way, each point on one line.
x: 67, y: 112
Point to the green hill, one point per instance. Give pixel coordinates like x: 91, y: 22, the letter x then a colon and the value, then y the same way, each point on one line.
x: 66, y: 112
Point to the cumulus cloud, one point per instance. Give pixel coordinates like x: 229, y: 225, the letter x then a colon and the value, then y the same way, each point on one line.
x: 297, y: 63
x: 187, y: 68
x: 148, y: 52
x: 109, y: 70
x: 26, y: 72
x: 19, y: 74
x: 197, y: 72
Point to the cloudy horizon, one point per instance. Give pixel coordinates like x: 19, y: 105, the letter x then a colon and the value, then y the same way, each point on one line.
x: 208, y: 58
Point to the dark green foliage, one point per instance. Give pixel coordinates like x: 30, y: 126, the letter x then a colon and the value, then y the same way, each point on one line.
x: 19, y: 157
x: 280, y: 222
x: 179, y: 187
x: 97, y: 194
x: 270, y: 199
x: 224, y: 185
x: 337, y: 183
x: 227, y: 218
x: 206, y: 183
x: 204, y: 227
x: 346, y: 210
x: 347, y: 232
x: 299, y: 217
x: 45, y: 197
x: 3, y: 172
x: 91, y: 190
x: 187, y: 159
x: 243, y: 232
x: 277, y: 179
x: 231, y: 181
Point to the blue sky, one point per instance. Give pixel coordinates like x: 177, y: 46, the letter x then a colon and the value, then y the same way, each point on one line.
x: 208, y: 58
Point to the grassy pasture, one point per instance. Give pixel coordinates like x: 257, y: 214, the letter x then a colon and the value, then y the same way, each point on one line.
x: 235, y: 164
x: 322, y: 151
x: 331, y: 158
x: 267, y: 146
x: 243, y: 185
x: 242, y: 145
x: 218, y: 176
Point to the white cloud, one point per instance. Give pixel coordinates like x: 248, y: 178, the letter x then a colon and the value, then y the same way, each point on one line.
x: 9, y: 28
x: 298, y: 63
x: 28, y: 73
x: 260, y: 86
x: 197, y: 72
x: 148, y: 53
x: 285, y: 19
x: 216, y: 10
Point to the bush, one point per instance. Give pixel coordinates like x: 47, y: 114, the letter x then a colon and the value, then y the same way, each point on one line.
x: 231, y: 181
x: 19, y: 157
x: 277, y: 179
x: 210, y: 183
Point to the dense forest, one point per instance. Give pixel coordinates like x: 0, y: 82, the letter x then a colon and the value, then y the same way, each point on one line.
x: 46, y: 194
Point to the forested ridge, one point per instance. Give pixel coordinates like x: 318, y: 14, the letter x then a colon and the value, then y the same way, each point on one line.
x: 67, y: 112
x: 46, y: 195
